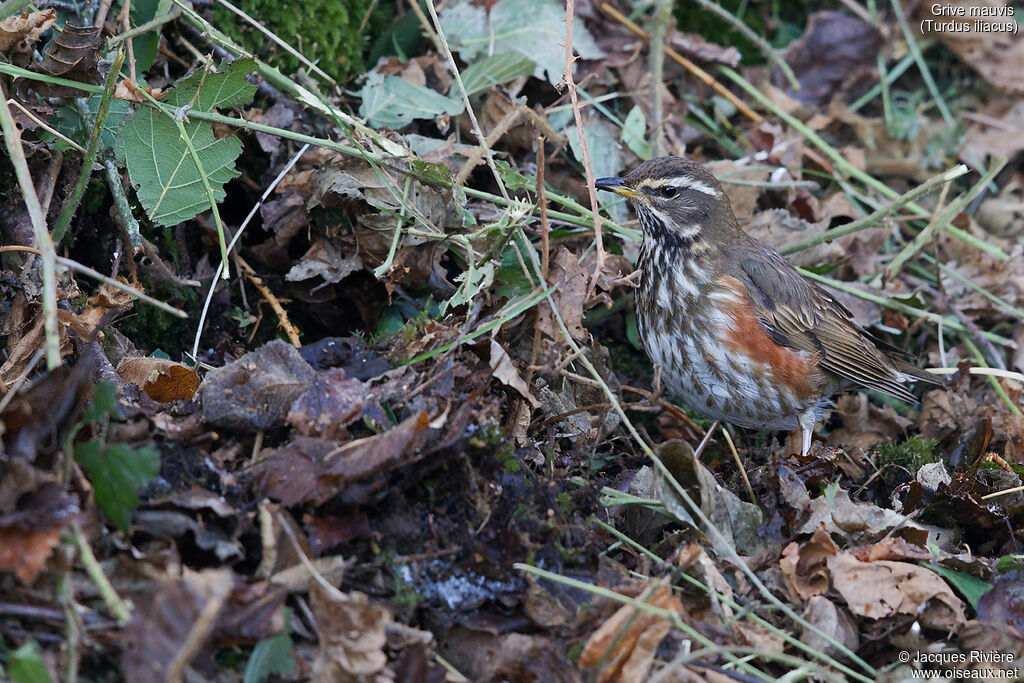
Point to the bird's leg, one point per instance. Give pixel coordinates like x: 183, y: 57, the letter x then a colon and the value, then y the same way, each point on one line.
x: 806, y: 420
x: 704, y: 442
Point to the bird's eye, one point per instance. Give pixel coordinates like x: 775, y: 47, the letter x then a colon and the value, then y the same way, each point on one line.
x: 669, y: 191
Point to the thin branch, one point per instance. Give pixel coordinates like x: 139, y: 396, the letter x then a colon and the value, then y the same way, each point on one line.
x: 570, y: 10
x: 12, y: 139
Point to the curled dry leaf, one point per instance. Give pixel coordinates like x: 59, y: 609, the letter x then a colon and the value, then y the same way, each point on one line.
x: 25, y: 551
x: 505, y: 372
x: 834, y: 621
x: 352, y: 635
x: 163, y: 379
x: 862, y: 523
x: 570, y: 281
x: 127, y: 89
x: 73, y: 54
x: 805, y: 566
x: 736, y: 519
x: 627, y: 641
x: 21, y: 31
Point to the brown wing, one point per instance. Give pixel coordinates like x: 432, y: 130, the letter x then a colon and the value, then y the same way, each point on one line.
x: 799, y: 314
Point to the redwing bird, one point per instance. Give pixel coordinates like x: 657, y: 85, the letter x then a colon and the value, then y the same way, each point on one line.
x: 739, y: 334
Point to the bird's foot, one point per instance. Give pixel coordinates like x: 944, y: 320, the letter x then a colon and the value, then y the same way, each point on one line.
x: 632, y: 280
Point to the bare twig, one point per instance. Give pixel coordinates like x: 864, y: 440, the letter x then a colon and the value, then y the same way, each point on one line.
x: 12, y: 139
x: 231, y: 245
x: 85, y: 173
x: 570, y: 10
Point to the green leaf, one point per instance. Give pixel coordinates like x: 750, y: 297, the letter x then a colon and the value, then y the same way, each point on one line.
x: 634, y: 130
x: 271, y: 655
x: 1007, y: 563
x: 532, y: 28
x: 393, y: 102
x: 495, y: 70
x: 146, y: 46
x: 158, y: 159
x: 103, y: 403
x: 117, y: 472
x: 513, y: 179
x: 68, y: 121
x: 26, y: 665
x: 206, y: 91
x: 971, y: 587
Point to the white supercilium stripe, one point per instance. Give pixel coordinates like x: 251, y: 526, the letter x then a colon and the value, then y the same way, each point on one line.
x: 680, y: 181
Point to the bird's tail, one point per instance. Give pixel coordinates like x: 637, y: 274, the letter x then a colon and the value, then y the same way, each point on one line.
x: 911, y: 370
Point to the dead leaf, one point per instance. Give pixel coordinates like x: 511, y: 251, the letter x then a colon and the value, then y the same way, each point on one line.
x: 314, y: 471
x: 832, y: 620
x: 324, y: 260
x: 170, y: 624
x: 862, y: 523
x: 24, y: 551
x: 163, y: 379
x: 506, y: 373
x: 805, y: 566
x: 883, y: 589
x: 21, y: 31
x: 570, y: 282
x: 332, y: 402
x: 737, y: 520
x: 73, y: 54
x: 626, y: 642
x: 836, y: 54
x: 695, y: 46
x: 254, y: 392
x: 352, y: 635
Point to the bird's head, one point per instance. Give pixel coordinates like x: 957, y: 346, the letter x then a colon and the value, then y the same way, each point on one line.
x: 677, y: 200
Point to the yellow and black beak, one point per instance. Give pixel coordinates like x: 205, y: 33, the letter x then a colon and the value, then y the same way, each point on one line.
x: 616, y: 185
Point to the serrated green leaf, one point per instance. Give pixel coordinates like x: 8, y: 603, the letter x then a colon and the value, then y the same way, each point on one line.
x: 160, y: 164
x: 225, y: 89
x: 271, y: 656
x: 634, y: 130
x: 532, y: 28
x: 393, y: 102
x: 117, y: 473
x: 495, y: 70
x: 170, y: 186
